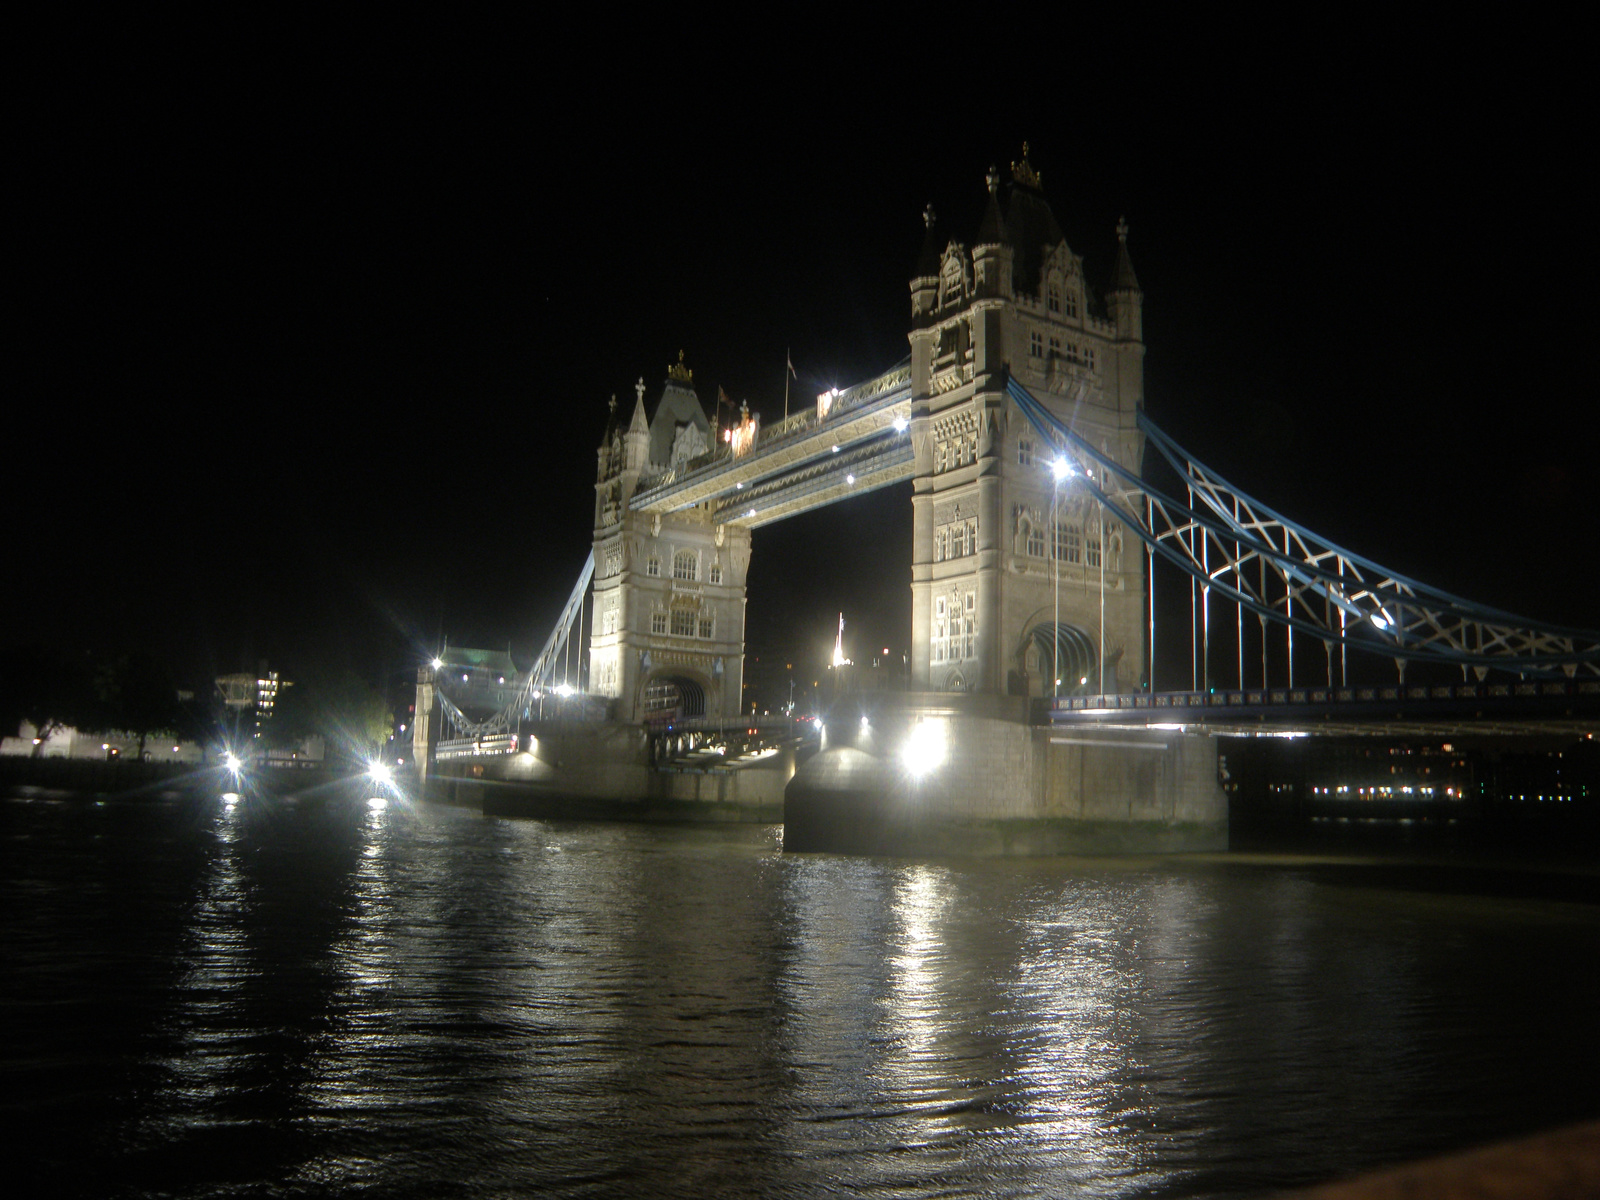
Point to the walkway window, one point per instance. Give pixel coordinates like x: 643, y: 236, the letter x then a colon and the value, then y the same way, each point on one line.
x: 682, y: 622
x: 653, y: 567
x: 1024, y: 453
x: 1069, y: 543
x: 705, y: 627
x: 716, y: 572
x: 685, y: 565
x: 658, y: 622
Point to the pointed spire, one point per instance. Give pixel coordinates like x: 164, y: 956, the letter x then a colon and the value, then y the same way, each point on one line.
x: 639, y: 424
x: 1124, y: 280
x: 992, y: 231
x: 928, y: 260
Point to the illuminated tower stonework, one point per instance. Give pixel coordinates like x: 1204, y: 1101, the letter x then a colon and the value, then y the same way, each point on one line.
x: 1000, y: 546
x: 667, y: 623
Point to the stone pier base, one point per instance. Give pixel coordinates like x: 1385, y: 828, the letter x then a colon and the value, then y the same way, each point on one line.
x: 924, y: 775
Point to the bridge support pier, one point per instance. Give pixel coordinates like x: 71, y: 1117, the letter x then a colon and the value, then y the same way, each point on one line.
x: 967, y: 775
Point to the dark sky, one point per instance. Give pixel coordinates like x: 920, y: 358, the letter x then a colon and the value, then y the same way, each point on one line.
x: 317, y: 327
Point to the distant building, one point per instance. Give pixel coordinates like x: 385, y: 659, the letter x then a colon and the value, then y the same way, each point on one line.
x: 251, y: 699
x: 67, y: 742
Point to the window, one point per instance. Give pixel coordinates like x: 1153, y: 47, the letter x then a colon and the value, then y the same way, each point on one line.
x: 1069, y: 543
x: 1035, y: 345
x: 705, y: 627
x: 1055, y: 297
x: 658, y: 622
x: 653, y: 567
x: 1072, y: 304
x: 1092, y: 558
x: 716, y: 572
x: 1025, y: 453
x: 682, y: 622
x: 1035, y: 541
x: 1088, y: 356
x: 685, y: 565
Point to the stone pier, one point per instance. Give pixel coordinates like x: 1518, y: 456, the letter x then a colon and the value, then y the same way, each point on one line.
x: 968, y: 775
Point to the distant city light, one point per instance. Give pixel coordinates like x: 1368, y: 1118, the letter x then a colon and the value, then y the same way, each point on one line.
x: 437, y: 663
x: 849, y: 478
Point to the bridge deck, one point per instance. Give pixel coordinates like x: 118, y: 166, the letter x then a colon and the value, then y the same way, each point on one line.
x: 1557, y: 707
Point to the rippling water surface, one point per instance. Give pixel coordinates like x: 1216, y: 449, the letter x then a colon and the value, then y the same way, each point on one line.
x: 271, y: 998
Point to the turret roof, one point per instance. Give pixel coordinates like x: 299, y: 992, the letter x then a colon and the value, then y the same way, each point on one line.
x: 1124, y: 280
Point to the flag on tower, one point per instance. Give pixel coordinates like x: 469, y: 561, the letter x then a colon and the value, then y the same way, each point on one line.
x: 789, y: 358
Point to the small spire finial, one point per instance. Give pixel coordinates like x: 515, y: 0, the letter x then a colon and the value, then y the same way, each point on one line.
x: 612, y: 406
x: 928, y: 216
x: 638, y: 389
x: 992, y: 179
x: 1024, y: 173
x: 680, y: 372
x: 1122, y: 230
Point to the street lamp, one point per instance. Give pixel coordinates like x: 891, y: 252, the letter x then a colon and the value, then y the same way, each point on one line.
x: 1060, y: 469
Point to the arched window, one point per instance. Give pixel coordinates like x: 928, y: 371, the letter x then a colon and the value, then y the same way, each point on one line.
x: 653, y: 567
x: 1035, y: 540
x: 685, y: 565
x: 1055, y: 297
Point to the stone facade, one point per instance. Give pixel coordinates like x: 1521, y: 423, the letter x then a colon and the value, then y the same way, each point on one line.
x: 667, y: 617
x: 994, y: 535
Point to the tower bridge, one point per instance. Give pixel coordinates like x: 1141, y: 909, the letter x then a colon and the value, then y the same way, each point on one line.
x: 1018, y: 419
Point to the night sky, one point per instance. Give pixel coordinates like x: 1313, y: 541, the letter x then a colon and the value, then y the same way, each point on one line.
x: 317, y: 327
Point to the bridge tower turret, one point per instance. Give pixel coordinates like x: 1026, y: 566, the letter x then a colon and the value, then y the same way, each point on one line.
x: 667, y: 625
x: 1007, y: 562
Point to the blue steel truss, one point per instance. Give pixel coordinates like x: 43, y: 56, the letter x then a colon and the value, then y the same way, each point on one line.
x: 1232, y: 544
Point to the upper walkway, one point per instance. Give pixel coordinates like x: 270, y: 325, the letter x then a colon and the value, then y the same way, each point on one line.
x: 853, y: 441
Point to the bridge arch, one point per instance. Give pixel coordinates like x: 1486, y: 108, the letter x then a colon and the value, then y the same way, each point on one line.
x: 673, y: 693
x: 1047, y: 643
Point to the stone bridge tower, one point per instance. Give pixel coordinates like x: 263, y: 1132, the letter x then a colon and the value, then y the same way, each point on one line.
x: 996, y: 538
x: 667, y: 626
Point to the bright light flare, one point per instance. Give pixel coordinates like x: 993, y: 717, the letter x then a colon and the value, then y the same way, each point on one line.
x: 926, y: 748
x: 232, y: 762
x: 381, y: 774
x: 1061, y: 469
x: 901, y: 424
x: 564, y: 690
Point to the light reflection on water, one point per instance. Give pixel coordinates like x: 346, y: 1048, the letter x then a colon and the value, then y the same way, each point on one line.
x: 279, y: 998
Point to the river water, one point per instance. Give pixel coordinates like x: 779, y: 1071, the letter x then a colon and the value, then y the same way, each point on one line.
x: 261, y: 997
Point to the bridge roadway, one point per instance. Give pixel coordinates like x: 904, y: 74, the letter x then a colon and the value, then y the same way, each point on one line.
x: 1563, y: 708
x: 805, y: 461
